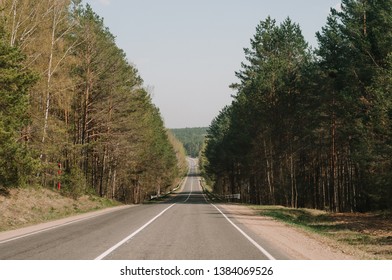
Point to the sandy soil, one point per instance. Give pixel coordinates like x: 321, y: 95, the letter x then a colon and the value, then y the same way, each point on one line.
x: 294, y: 242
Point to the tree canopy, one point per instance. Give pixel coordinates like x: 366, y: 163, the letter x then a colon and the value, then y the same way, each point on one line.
x: 83, y: 121
x: 192, y: 139
x: 310, y: 128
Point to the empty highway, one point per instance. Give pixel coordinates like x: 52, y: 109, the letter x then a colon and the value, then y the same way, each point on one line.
x: 186, y: 227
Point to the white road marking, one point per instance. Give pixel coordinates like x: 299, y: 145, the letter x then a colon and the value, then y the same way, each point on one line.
x: 77, y: 220
x: 190, y: 191
x: 261, y: 249
x: 110, y: 250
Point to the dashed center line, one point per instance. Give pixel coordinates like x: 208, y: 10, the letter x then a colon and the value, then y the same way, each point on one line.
x: 190, y: 191
x: 113, y: 248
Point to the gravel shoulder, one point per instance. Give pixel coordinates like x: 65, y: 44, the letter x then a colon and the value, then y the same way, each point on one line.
x: 296, y: 243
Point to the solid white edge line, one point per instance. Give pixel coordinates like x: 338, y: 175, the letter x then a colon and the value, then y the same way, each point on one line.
x: 55, y: 226
x: 110, y: 250
x: 261, y: 249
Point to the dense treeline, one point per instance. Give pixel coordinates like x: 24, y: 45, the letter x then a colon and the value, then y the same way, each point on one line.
x: 311, y: 128
x: 73, y: 110
x: 192, y: 139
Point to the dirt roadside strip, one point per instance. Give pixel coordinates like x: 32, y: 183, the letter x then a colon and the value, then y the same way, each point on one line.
x: 25, y: 231
x: 296, y: 243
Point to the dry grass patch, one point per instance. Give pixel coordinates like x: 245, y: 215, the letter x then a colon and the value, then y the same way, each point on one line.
x: 23, y: 207
x: 368, y: 232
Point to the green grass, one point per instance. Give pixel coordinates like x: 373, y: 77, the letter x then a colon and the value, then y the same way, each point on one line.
x: 104, y: 202
x: 315, y: 221
x: 311, y: 220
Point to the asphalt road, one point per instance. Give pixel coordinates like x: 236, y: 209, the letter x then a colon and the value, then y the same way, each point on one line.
x: 185, y: 227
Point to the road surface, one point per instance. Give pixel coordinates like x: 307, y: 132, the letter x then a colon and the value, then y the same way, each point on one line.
x: 185, y: 227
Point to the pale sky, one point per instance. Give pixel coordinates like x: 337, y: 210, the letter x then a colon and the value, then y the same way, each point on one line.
x: 187, y: 52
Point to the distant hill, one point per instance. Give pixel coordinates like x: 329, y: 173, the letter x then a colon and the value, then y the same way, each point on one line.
x: 191, y: 138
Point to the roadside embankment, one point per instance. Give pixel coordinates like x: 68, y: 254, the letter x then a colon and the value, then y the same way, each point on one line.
x: 27, y: 206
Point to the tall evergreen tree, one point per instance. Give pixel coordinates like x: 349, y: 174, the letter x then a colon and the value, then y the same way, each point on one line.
x: 308, y: 131
x: 353, y: 50
x: 261, y: 142
x: 16, y: 161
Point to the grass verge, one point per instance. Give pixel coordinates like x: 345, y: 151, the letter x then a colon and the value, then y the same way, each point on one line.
x: 370, y: 233
x: 27, y: 206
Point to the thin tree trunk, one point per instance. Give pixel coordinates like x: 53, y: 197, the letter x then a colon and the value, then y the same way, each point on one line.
x: 49, y: 78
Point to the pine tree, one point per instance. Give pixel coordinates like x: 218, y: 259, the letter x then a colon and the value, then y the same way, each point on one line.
x: 353, y: 51
x: 16, y: 161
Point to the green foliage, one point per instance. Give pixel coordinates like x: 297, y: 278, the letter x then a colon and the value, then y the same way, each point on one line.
x: 88, y: 112
x: 73, y: 183
x: 16, y: 162
x: 191, y: 138
x: 179, y: 149
x: 126, y: 153
x: 311, y: 130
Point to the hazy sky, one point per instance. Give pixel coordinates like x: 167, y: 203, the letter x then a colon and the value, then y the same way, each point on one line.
x: 187, y: 51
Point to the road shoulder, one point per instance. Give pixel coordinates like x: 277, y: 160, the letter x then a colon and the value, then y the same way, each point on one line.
x: 18, y: 233
x: 294, y: 242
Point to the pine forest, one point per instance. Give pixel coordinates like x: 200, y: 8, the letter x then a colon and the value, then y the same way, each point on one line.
x: 74, y: 114
x: 192, y: 139
x: 311, y: 127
